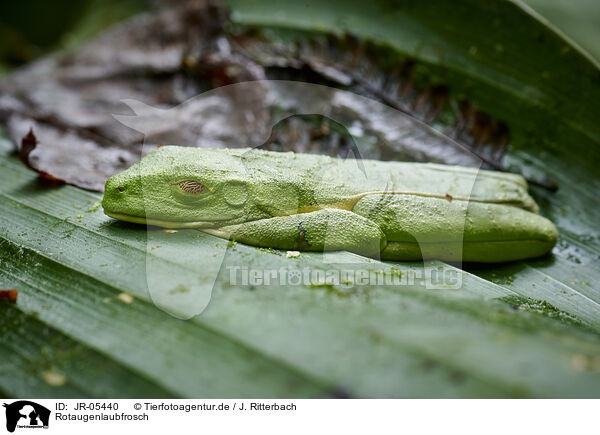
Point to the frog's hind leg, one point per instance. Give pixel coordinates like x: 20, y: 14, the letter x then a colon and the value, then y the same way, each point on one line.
x: 321, y: 230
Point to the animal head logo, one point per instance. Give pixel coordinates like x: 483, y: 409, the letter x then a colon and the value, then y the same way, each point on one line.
x: 26, y: 414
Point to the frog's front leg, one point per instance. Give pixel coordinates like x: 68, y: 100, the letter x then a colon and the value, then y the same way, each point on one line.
x: 321, y: 230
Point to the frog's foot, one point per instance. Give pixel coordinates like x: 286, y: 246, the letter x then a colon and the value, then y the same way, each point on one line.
x: 322, y: 230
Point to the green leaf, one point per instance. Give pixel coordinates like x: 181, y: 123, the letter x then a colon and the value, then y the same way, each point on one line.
x: 578, y: 20
x: 71, y: 265
x: 481, y: 50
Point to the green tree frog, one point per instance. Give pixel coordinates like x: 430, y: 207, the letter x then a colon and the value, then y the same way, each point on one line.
x: 284, y: 200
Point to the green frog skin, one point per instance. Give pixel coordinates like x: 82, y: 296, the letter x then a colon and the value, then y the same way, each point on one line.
x: 283, y: 200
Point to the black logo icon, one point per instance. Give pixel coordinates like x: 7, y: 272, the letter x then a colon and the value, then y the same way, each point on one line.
x: 26, y: 414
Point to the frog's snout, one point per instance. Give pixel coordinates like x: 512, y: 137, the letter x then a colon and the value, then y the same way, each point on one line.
x: 123, y: 195
x: 114, y: 186
x: 117, y: 187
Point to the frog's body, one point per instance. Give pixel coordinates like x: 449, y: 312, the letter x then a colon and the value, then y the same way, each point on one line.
x: 398, y: 211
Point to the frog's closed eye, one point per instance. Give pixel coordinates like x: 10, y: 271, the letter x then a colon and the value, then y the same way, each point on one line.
x: 189, y: 191
x: 191, y: 187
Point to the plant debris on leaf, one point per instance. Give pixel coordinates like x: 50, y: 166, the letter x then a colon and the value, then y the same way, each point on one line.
x: 28, y: 144
x: 9, y: 295
x: 164, y: 58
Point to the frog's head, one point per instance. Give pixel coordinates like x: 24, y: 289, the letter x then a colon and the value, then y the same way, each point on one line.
x: 180, y: 187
